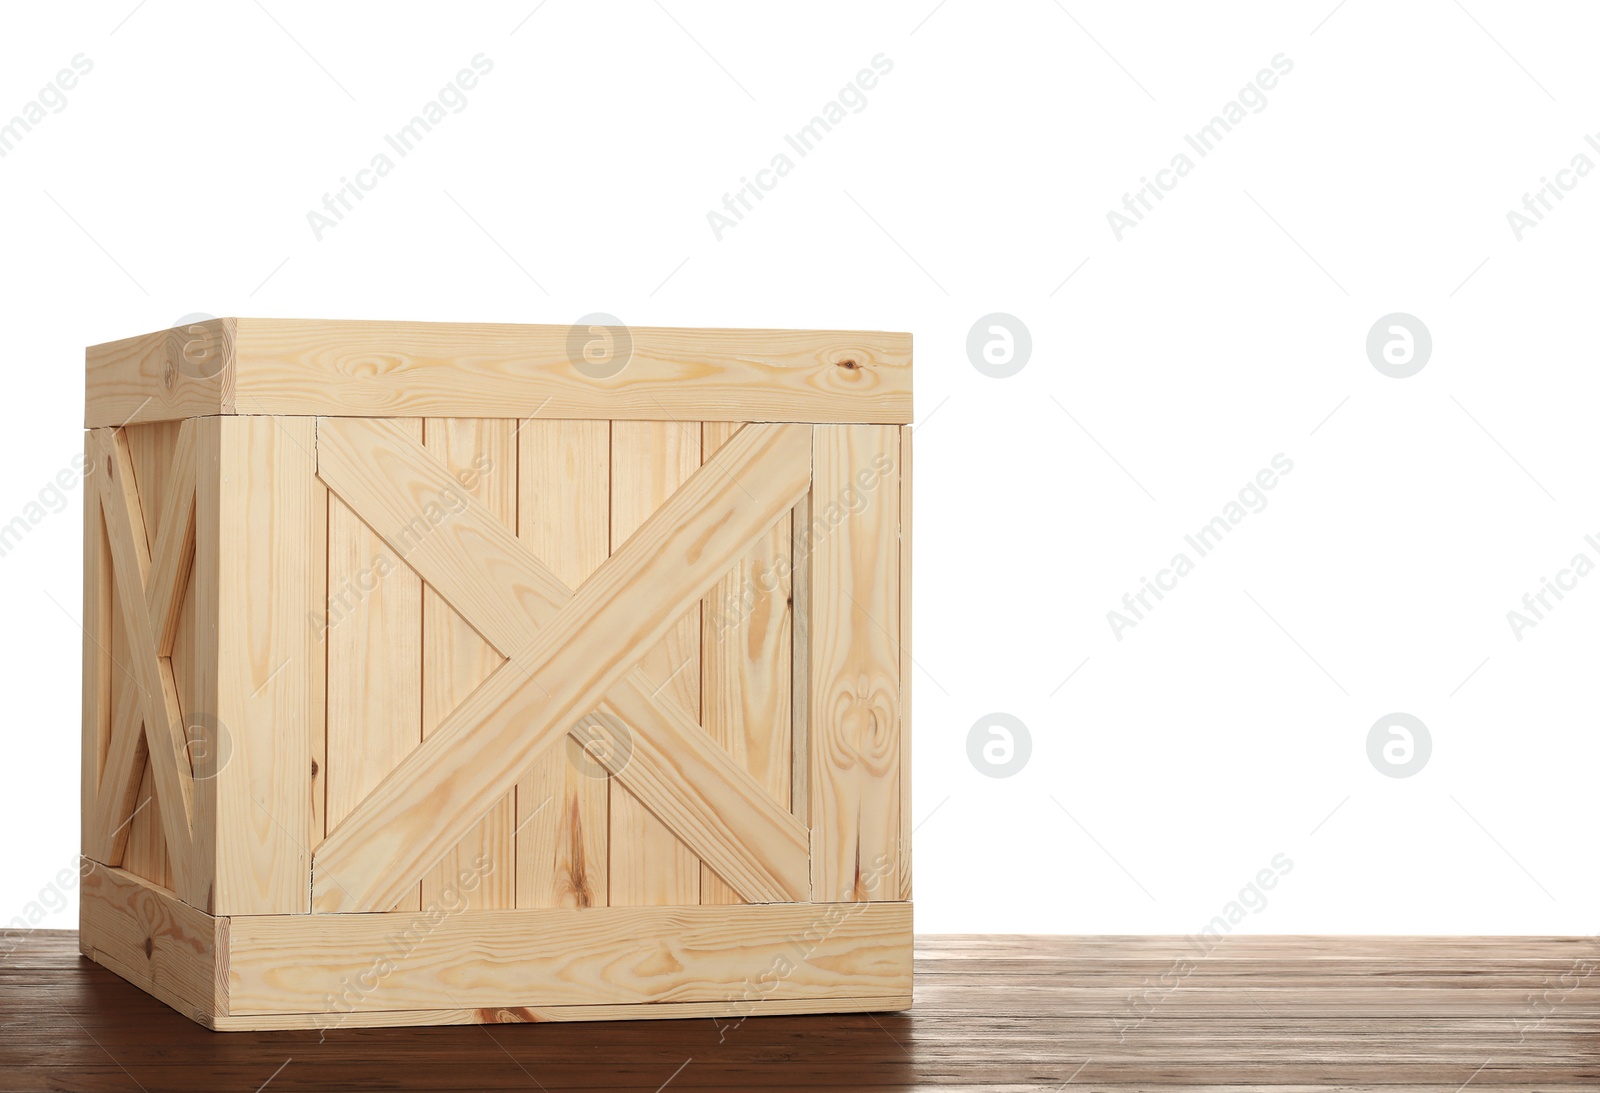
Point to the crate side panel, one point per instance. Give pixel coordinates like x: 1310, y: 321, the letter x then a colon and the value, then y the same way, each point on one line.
x: 594, y: 638
x: 150, y: 448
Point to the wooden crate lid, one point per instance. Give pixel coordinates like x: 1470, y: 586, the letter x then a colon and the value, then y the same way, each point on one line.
x: 341, y: 368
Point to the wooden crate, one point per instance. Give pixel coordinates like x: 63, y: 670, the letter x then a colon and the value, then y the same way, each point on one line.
x: 442, y: 673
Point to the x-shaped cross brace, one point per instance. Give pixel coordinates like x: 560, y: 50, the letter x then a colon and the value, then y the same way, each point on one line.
x: 567, y: 655
x: 149, y: 587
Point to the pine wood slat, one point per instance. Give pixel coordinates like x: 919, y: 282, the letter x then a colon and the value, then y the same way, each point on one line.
x: 854, y: 669
x: 599, y: 956
x: 589, y: 645
x: 404, y: 369
x: 172, y: 549
x: 144, y: 848
x: 481, y: 455
x: 746, y: 663
x: 374, y: 635
x: 199, y: 654
x: 97, y: 733
x: 564, y: 802
x: 800, y: 661
x: 258, y: 758
x: 650, y: 865
x: 903, y: 631
x: 116, y: 798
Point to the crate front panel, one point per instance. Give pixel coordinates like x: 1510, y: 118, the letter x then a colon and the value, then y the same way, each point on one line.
x: 369, y: 581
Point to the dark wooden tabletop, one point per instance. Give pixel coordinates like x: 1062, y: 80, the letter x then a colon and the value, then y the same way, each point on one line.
x: 992, y: 1013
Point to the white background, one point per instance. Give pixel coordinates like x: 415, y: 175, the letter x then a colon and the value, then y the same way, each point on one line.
x: 1227, y: 727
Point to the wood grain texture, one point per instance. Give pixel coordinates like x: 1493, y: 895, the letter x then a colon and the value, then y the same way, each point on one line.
x: 855, y: 662
x: 493, y: 579
x: 154, y: 940
x: 374, y: 639
x: 722, y: 813
x: 117, y: 803
x: 194, y: 675
x: 198, y: 656
x: 167, y: 485
x: 800, y: 660
x: 164, y: 376
x: 95, y: 738
x: 321, y: 504
x: 649, y: 865
x: 745, y: 663
x: 406, y: 369
x: 590, y: 644
x: 142, y: 841
x: 258, y: 753
x: 480, y: 453
x: 564, y: 516
x: 97, y: 712
x: 907, y: 820
x: 597, y: 956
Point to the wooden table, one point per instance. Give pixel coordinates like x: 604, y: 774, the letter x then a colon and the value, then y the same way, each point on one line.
x: 992, y: 1013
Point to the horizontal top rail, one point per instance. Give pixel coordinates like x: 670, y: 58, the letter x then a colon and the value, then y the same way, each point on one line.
x: 349, y: 368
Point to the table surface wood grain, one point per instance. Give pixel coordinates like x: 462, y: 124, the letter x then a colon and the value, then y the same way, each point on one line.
x: 992, y: 1013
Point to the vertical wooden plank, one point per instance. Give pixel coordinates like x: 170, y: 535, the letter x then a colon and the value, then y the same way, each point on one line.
x: 374, y: 660
x: 266, y: 638
x: 855, y: 662
x: 97, y: 666
x: 319, y: 665
x: 564, y: 515
x: 903, y: 854
x: 151, y: 448
x: 194, y: 689
x: 800, y: 661
x: 481, y: 454
x: 201, y: 651
x: 745, y: 663
x: 649, y: 460
x: 649, y: 864
x: 146, y: 852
